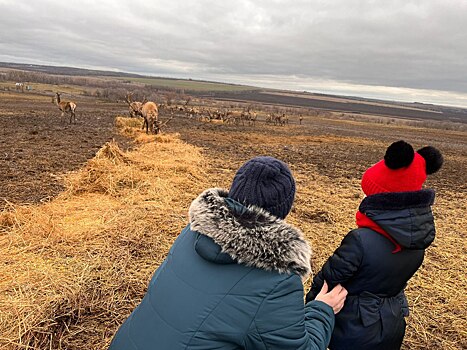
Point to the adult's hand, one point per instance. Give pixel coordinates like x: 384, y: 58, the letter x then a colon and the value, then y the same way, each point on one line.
x: 335, y: 298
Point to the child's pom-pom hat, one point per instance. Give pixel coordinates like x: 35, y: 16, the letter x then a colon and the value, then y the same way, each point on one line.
x: 402, y: 169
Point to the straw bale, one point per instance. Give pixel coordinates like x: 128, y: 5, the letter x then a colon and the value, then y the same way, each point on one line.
x: 122, y: 122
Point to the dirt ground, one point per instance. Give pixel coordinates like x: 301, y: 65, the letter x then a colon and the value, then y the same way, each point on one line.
x: 327, y: 155
x: 335, y: 148
x: 37, y: 147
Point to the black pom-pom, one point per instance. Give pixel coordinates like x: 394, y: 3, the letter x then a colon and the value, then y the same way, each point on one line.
x: 433, y: 159
x: 399, y: 155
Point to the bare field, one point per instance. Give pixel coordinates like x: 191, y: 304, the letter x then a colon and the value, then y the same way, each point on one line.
x: 346, y: 105
x: 37, y: 147
x: 191, y: 85
x: 76, y: 266
x: 345, y: 100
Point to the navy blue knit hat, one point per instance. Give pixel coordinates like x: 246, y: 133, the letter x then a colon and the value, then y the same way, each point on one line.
x: 267, y: 183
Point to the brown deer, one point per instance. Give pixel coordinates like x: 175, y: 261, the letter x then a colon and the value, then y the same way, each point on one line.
x: 66, y: 107
x: 252, y: 116
x: 269, y: 119
x: 133, y: 106
x: 150, y: 114
x: 192, y: 112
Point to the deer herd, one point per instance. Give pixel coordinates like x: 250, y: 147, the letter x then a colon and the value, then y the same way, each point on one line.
x: 149, y: 112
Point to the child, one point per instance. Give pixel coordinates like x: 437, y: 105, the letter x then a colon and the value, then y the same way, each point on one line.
x: 375, y: 261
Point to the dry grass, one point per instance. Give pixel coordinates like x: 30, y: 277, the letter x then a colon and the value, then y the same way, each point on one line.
x: 74, y: 268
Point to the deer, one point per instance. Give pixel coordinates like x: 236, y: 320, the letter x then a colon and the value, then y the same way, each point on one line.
x: 205, y: 115
x: 252, y: 118
x: 19, y: 86
x: 244, y: 115
x: 192, y: 112
x: 66, y: 107
x: 133, y: 107
x: 150, y: 114
x: 228, y: 117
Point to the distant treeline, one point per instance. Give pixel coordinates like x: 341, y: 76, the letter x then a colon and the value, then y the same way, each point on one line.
x: 102, y: 87
x: 60, y: 70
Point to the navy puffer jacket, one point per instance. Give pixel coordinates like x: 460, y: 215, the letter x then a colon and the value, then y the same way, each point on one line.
x: 232, y: 280
x: 374, y: 276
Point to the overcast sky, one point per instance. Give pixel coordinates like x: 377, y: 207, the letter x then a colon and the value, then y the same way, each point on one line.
x: 400, y: 49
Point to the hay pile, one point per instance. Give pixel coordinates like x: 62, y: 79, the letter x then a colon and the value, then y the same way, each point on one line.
x: 74, y: 268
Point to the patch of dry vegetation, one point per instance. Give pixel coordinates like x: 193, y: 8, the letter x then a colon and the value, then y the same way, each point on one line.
x: 74, y: 268
x: 399, y: 122
x: 438, y: 292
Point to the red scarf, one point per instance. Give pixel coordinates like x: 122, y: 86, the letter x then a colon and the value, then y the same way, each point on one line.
x: 365, y: 221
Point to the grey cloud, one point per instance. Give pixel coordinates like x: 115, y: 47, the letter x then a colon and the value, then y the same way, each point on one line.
x: 412, y: 44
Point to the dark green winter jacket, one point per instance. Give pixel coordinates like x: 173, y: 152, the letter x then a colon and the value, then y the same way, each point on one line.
x: 232, y: 280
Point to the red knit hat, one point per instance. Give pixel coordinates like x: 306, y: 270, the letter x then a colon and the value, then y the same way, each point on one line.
x: 402, y: 169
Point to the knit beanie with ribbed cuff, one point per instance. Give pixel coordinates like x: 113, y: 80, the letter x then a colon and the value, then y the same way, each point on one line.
x: 265, y: 182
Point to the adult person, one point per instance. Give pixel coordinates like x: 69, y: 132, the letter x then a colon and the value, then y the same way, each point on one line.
x: 233, y: 278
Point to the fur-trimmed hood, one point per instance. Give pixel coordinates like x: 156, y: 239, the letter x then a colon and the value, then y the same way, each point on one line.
x: 250, y: 235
